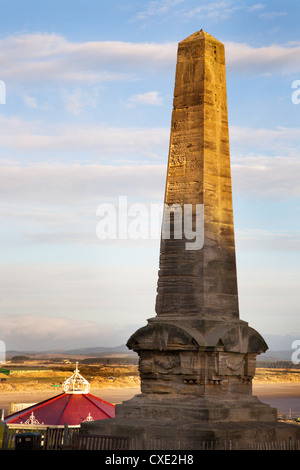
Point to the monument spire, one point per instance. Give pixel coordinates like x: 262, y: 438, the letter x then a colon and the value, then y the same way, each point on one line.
x: 199, y: 282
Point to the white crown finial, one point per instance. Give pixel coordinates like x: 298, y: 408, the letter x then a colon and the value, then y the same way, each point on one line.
x: 76, y: 383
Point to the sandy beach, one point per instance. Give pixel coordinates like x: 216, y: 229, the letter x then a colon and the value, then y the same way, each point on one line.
x: 277, y: 390
x: 283, y: 396
x: 112, y: 395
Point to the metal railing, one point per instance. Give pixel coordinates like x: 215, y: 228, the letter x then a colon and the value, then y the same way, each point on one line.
x: 54, y: 438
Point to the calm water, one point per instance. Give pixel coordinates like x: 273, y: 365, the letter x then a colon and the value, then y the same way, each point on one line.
x: 284, y: 397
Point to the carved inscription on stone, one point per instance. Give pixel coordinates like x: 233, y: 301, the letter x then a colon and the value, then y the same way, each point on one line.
x: 177, y: 166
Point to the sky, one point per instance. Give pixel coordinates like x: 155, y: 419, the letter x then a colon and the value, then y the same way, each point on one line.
x: 86, y: 91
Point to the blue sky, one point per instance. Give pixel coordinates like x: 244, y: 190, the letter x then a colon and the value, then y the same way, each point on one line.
x: 89, y: 89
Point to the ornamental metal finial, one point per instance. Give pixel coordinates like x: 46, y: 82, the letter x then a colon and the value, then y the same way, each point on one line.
x: 76, y: 383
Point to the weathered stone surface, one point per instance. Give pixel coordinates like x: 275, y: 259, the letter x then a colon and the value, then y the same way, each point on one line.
x: 197, y: 319
x: 200, y: 359
x: 186, y: 435
x: 201, y: 283
x: 196, y: 356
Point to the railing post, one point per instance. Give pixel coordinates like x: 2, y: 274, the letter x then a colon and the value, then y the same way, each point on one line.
x: 5, y: 437
x: 66, y: 435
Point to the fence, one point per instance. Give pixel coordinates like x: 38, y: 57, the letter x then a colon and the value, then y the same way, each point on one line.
x: 54, y: 438
x: 290, y: 414
x: 88, y: 442
x: 159, y: 444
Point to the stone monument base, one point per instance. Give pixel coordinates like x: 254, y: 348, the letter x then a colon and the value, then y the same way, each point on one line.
x: 195, y: 409
x: 180, y: 424
x: 150, y: 435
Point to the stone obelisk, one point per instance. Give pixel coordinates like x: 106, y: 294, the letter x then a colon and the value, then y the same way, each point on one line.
x: 200, y: 283
x: 197, y: 346
x: 196, y: 356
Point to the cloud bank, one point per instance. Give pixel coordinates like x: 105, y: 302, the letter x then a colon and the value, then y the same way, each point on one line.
x: 50, y: 58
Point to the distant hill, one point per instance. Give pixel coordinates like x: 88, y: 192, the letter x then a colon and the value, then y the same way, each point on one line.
x: 99, y: 351
x: 280, y: 342
x: 280, y: 349
x: 273, y: 356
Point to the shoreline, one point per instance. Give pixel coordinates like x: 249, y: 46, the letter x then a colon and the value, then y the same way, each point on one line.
x: 277, y: 389
x: 119, y: 394
x: 111, y: 395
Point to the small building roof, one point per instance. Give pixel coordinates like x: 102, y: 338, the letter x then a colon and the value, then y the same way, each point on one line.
x: 74, y: 406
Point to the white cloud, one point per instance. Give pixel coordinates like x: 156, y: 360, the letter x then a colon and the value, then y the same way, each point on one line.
x: 214, y: 10
x: 270, y: 15
x: 210, y: 11
x: 223, y: 9
x: 39, y: 332
x: 278, y: 141
x: 34, y: 136
x: 133, y: 143
x: 78, y: 101
x: 273, y: 59
x: 265, y: 162
x: 266, y: 177
x: 157, y: 8
x: 266, y: 240
x: 269, y: 294
x: 45, y: 58
x: 30, y: 102
x: 70, y: 304
x: 50, y: 58
x: 151, y: 98
x: 63, y: 184
x: 257, y: 6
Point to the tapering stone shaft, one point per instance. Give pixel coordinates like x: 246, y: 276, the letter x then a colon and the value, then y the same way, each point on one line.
x: 196, y: 356
x: 200, y: 283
